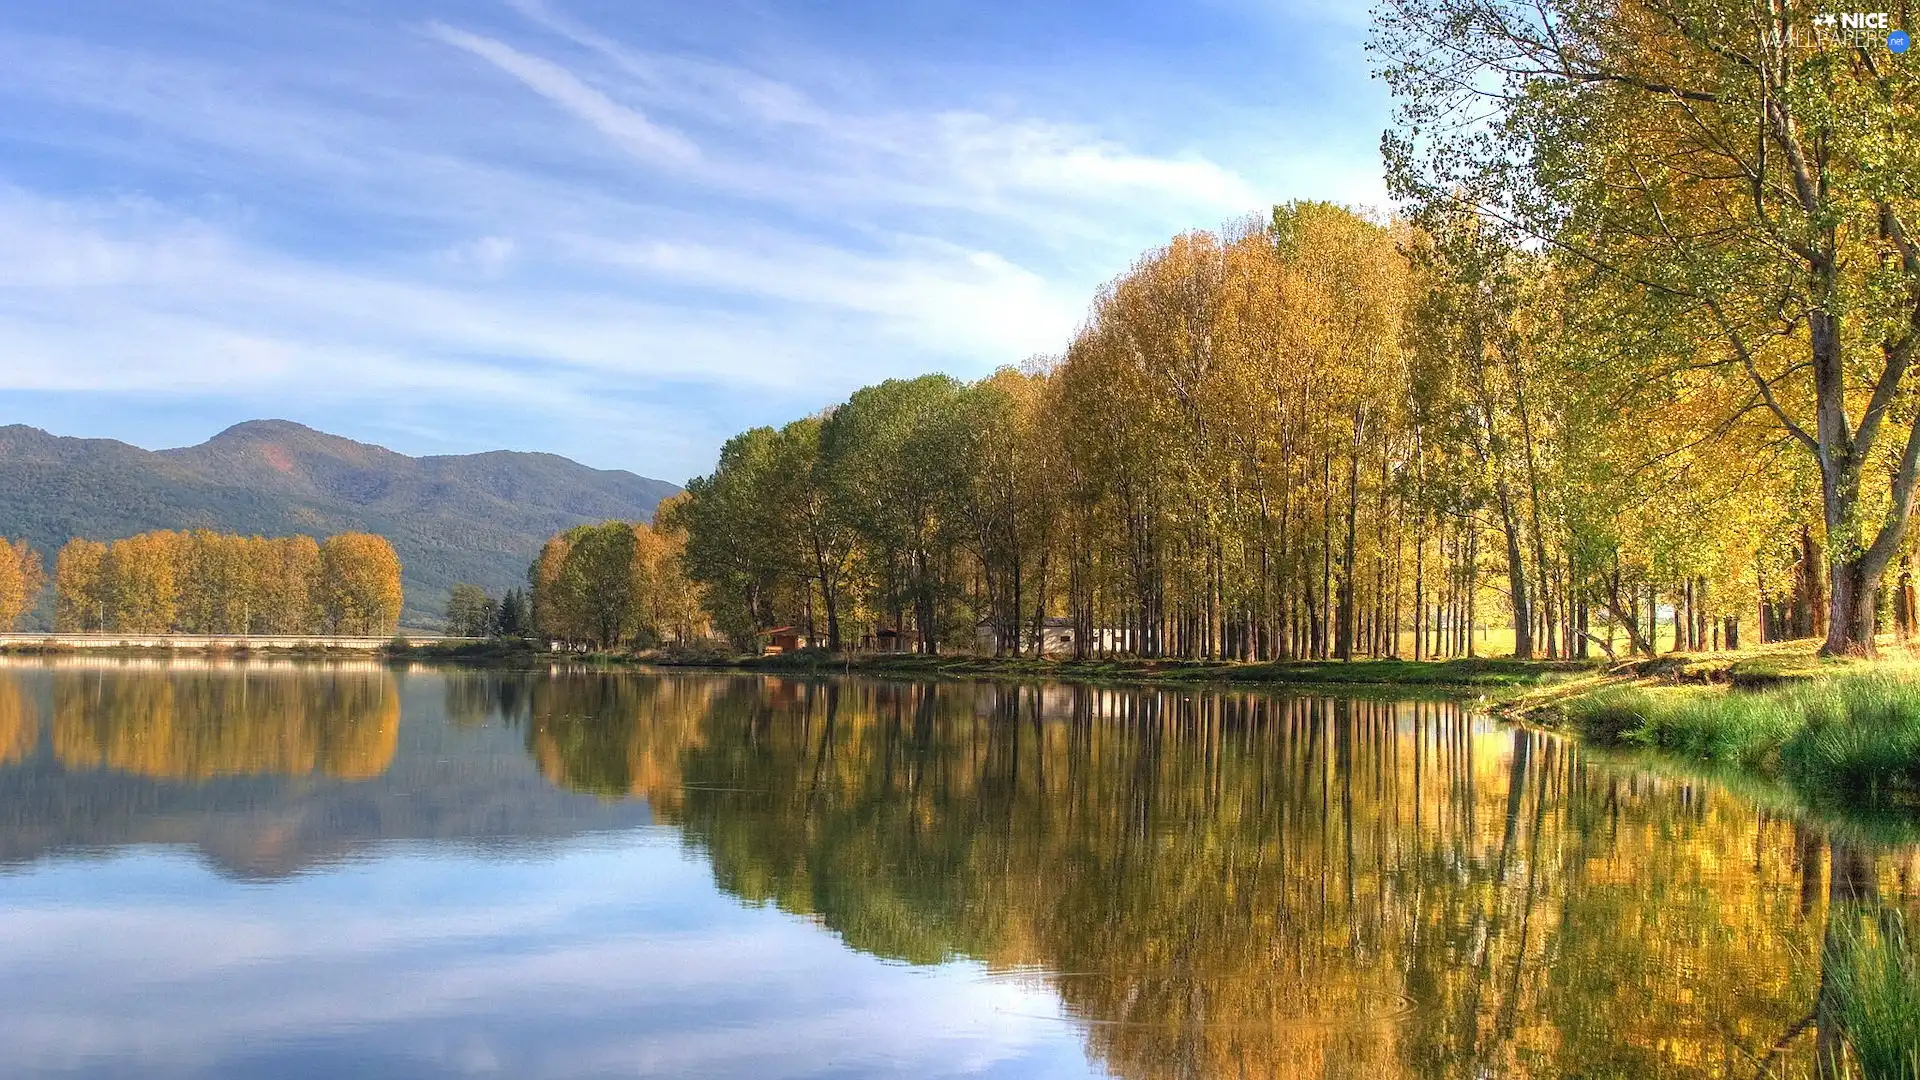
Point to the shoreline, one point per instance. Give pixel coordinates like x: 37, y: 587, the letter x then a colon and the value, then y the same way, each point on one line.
x: 1479, y: 673
x: 1623, y: 710
x: 1536, y: 689
x: 1833, y: 734
x: 1876, y: 777
x: 199, y: 651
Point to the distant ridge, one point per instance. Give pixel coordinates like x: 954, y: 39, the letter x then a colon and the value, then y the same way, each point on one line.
x: 466, y: 517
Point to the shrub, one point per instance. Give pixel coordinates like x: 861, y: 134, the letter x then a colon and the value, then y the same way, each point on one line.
x: 705, y: 651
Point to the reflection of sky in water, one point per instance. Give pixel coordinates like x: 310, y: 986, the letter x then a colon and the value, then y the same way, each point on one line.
x: 611, y: 957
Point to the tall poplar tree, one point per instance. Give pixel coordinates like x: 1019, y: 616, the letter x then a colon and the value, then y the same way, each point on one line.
x: 1724, y: 167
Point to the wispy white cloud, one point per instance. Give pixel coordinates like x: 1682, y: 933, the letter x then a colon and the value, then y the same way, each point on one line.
x: 487, y: 255
x: 721, y: 238
x: 623, y: 960
x: 624, y: 125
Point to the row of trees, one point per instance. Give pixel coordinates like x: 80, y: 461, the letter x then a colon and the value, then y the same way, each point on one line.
x: 1629, y: 373
x: 201, y: 582
x: 616, y: 584
x: 1319, y: 435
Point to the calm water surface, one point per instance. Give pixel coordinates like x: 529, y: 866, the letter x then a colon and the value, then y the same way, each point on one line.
x: 346, y: 871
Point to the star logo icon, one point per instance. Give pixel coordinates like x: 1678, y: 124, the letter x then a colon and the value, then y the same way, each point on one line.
x: 1824, y: 19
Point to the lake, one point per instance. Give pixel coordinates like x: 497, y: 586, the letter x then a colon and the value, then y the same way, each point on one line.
x: 251, y: 869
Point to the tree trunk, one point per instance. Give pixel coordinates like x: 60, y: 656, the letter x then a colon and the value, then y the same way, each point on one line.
x: 1323, y: 631
x: 1516, y: 576
x: 1850, y: 612
x: 1346, y: 617
x: 1420, y: 590
x: 1473, y: 599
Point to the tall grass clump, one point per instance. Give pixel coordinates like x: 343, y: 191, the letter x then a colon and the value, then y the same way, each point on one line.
x: 1875, y: 986
x: 1745, y: 730
x: 1850, y: 737
x: 1860, y: 738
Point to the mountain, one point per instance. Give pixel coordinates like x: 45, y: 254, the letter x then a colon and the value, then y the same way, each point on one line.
x: 469, y: 517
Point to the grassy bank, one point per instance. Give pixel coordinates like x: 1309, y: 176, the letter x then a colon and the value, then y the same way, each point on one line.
x: 1479, y: 673
x: 1845, y: 731
x: 501, y: 652
x: 1851, y: 736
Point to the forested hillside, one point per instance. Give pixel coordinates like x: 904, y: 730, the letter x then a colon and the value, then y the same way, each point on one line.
x: 476, y: 517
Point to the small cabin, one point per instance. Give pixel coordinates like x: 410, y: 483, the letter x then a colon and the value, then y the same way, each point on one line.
x: 786, y: 639
x: 887, y: 639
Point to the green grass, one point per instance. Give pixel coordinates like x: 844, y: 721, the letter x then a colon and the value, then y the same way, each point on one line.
x: 1475, y: 673
x: 493, y: 651
x: 1875, y: 982
x: 1850, y: 737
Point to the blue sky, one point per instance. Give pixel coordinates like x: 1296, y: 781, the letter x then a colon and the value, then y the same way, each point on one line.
x: 613, y: 229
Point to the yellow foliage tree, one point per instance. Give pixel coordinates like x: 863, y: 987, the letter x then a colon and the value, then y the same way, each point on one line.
x: 141, y: 583
x: 359, y: 584
x: 21, y: 578
x: 79, y: 587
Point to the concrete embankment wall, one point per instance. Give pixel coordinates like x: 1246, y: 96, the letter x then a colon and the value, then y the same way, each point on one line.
x: 206, y: 641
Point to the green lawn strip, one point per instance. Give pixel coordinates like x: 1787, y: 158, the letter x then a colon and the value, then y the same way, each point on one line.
x: 1475, y: 673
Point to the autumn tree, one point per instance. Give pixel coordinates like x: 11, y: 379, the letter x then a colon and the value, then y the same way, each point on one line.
x: 141, y: 584
x: 897, y: 455
x: 669, y: 602
x: 739, y: 527
x: 550, y: 618
x: 286, y: 572
x: 21, y: 578
x: 617, y: 584
x: 79, y: 587
x: 1318, y: 434
x: 596, y: 584
x: 1725, y: 169
x: 359, y: 584
x: 201, y: 582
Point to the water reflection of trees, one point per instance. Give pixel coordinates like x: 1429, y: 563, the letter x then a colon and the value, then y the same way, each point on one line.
x: 586, y: 731
x: 1240, y: 885
x: 187, y: 723
x: 19, y: 724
